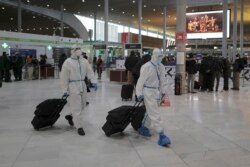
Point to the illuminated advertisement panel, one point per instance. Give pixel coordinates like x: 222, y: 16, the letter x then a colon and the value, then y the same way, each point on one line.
x: 203, y: 25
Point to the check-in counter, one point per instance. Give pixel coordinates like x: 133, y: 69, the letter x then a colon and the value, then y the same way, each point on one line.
x: 118, y: 75
x: 47, y: 72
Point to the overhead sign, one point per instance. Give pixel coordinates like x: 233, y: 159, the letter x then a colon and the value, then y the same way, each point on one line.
x: 133, y: 46
x: 103, y: 46
x: 181, y: 37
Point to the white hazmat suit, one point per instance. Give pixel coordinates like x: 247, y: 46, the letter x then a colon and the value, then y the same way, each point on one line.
x: 151, y: 85
x: 73, y: 73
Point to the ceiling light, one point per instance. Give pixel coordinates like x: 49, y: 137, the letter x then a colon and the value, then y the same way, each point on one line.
x: 99, y: 5
x: 34, y: 17
x: 111, y: 20
x: 149, y: 20
x: 162, y: 13
x: 3, y: 8
x: 123, y: 12
x: 119, y: 22
x: 28, y: 29
x: 64, y: 9
x: 112, y: 9
x: 34, y: 29
x: 91, y: 15
x: 133, y: 15
x: 102, y: 18
x: 11, y: 18
x: 47, y: 28
x: 133, y: 1
x: 154, y: 10
x: 145, y: 6
x: 40, y: 28
x: 28, y: 1
x: 78, y: 12
x: 47, y: 5
x: 83, y: 0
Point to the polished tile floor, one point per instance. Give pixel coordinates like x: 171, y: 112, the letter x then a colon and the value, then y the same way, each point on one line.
x: 206, y: 129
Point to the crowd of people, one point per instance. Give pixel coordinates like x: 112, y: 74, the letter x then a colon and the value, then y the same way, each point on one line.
x: 210, y: 70
x: 22, y: 67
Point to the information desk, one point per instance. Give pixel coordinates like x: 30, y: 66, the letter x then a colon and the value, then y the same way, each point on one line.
x: 118, y: 75
x: 46, y: 72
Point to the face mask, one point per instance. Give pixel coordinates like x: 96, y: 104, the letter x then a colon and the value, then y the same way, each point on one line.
x: 78, y: 52
x: 159, y: 59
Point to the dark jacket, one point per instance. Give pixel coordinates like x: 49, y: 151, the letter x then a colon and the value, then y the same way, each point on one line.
x: 130, y: 62
x: 191, y: 67
x: 217, y: 65
x: 226, y: 66
x: 62, y: 58
x: 238, y: 65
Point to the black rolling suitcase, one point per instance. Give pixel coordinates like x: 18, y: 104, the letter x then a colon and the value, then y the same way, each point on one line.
x: 119, y: 118
x: 138, y: 116
x: 127, y: 92
x: 47, y: 112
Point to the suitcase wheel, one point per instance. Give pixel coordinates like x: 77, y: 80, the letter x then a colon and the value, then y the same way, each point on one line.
x: 107, y: 135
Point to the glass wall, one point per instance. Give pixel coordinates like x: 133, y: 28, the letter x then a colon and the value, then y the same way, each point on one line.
x: 114, y: 29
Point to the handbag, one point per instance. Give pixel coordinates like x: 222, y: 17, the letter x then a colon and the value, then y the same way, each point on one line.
x: 165, y: 101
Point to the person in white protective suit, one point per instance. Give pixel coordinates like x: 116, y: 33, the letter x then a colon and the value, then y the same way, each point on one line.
x: 150, y: 87
x: 73, y: 73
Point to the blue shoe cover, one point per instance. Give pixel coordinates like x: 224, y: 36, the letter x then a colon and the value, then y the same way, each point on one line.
x: 163, y: 140
x: 144, y: 131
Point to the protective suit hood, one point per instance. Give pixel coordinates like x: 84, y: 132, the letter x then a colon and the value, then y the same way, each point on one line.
x: 157, y: 54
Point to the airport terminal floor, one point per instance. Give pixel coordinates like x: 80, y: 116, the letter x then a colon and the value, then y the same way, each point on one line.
x: 206, y: 130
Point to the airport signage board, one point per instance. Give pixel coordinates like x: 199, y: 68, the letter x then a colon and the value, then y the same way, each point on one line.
x: 102, y: 46
x: 133, y: 46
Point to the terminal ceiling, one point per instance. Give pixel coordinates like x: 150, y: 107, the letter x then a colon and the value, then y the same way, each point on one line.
x: 123, y: 12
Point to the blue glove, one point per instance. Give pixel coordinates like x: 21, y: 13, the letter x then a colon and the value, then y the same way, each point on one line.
x: 94, y: 86
x: 66, y: 94
x: 140, y: 98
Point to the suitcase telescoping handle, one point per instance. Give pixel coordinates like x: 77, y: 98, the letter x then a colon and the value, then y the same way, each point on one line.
x: 64, y: 97
x: 137, y: 104
x: 59, y: 106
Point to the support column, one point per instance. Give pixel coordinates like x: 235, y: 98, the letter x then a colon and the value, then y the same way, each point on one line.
x: 95, y: 26
x: 62, y: 24
x: 241, y: 27
x: 19, y: 16
x: 235, y: 29
x: 164, y: 30
x: 224, y: 28
x: 106, y: 10
x: 139, y: 20
x: 181, y: 46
